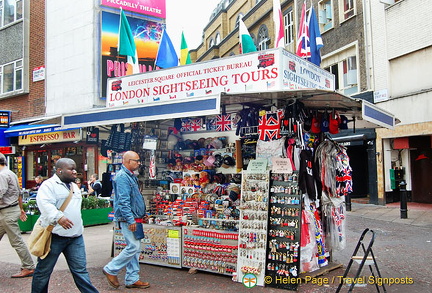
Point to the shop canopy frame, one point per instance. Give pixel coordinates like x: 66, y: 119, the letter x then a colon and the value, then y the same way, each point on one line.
x: 367, y: 115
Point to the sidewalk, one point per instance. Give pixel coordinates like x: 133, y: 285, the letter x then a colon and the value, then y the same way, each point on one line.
x: 98, y: 246
x: 418, y: 214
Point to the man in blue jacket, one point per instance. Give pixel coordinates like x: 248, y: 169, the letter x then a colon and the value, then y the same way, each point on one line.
x: 129, y: 211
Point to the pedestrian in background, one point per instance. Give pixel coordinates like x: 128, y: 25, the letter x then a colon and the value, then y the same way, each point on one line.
x: 94, y: 185
x: 129, y: 211
x: 67, y: 234
x: 11, y: 210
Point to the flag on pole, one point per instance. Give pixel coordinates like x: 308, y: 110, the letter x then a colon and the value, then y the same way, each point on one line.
x: 184, y: 52
x: 126, y: 45
x: 166, y: 56
x: 303, y: 47
x: 278, y: 24
x: 246, y: 42
x: 316, y: 42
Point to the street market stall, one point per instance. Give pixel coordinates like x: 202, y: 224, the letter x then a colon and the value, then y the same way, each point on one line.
x: 238, y: 152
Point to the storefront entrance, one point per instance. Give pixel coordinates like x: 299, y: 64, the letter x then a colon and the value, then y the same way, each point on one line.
x: 421, y: 167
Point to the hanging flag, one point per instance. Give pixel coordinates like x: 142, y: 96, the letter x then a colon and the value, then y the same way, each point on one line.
x: 246, y: 43
x: 303, y: 47
x: 316, y: 42
x: 126, y: 45
x: 166, y: 56
x: 278, y: 24
x: 184, y: 52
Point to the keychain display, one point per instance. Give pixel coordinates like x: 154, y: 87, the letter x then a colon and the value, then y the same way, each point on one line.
x: 253, y: 226
x: 283, y: 249
x: 210, y: 250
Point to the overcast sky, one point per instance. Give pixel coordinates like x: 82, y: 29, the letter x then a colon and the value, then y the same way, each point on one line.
x: 191, y: 16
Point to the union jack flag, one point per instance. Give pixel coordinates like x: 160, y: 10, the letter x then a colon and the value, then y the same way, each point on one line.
x: 269, y: 125
x: 186, y: 125
x: 196, y: 124
x: 223, y: 122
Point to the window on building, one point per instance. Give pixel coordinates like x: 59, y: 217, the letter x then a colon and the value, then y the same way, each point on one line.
x: 263, y: 38
x: 325, y: 15
x: 289, y: 27
x: 10, y: 11
x: 217, y: 39
x: 348, y: 8
x: 345, y: 71
x: 211, y: 43
x: 11, y: 76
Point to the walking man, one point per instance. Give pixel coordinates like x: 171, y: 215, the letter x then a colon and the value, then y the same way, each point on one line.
x: 67, y: 234
x: 129, y: 211
x: 10, y: 211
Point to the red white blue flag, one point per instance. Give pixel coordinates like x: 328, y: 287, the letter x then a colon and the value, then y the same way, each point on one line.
x: 269, y: 125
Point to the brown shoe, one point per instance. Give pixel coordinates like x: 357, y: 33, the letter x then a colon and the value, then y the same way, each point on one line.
x: 24, y: 274
x: 138, y: 284
x: 112, y: 280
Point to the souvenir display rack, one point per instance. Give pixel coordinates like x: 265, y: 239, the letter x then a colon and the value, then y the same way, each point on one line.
x: 283, y: 252
x: 161, y: 245
x: 253, y: 226
x: 210, y: 250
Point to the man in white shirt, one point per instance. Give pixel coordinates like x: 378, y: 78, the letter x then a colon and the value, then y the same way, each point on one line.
x: 67, y: 233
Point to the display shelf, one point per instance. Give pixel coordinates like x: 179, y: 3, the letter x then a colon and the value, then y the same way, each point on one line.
x: 210, y: 250
x: 161, y: 245
x: 283, y: 252
x: 253, y: 226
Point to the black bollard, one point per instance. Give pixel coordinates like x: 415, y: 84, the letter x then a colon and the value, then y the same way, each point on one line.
x: 403, y: 200
x: 348, y: 202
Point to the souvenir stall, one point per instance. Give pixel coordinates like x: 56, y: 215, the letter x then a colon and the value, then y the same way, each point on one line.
x: 239, y: 170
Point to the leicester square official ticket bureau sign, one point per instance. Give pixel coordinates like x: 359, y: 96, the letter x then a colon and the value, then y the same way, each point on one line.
x: 274, y: 69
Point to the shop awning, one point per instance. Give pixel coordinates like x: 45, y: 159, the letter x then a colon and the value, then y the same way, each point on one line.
x: 367, y: 114
x: 27, y: 129
x: 208, y: 105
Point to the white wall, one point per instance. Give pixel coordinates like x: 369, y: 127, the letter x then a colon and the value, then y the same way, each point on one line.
x: 72, y: 55
x: 402, y: 57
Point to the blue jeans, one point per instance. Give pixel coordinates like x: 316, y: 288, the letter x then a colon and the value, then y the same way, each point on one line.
x: 74, y: 252
x: 128, y: 257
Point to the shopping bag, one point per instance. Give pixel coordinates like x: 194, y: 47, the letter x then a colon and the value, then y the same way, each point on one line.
x: 39, y: 242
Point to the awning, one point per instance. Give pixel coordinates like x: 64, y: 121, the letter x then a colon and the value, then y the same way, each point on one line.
x: 208, y: 105
x: 367, y: 115
x: 27, y: 129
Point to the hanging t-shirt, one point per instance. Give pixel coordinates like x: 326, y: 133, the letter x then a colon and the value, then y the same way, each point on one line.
x: 306, y: 178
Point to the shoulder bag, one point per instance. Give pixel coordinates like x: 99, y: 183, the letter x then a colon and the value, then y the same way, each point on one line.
x: 39, y: 241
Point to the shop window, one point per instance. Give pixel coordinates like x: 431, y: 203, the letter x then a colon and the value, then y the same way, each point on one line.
x: 263, y: 38
x: 11, y: 11
x: 11, y: 75
x: 325, y: 15
x: 289, y: 27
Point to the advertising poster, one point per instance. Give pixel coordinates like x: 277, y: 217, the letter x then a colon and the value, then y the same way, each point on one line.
x: 147, y: 34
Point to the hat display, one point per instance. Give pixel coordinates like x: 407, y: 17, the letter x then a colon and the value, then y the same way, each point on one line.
x: 228, y: 161
x: 343, y: 122
x: 209, y: 162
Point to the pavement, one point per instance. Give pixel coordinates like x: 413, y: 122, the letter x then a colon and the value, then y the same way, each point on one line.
x: 98, y: 241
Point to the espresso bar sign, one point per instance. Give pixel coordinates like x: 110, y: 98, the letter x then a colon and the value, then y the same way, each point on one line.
x: 50, y: 137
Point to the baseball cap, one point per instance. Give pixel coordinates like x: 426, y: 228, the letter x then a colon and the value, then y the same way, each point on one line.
x: 343, y: 122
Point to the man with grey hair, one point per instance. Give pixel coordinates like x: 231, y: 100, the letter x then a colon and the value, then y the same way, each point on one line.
x: 10, y: 211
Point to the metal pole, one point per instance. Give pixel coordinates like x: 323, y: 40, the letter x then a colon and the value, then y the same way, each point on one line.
x: 403, y: 200
x: 348, y: 202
